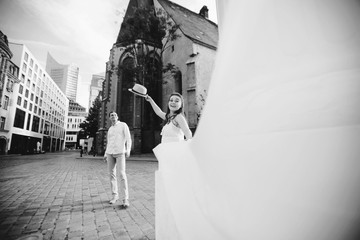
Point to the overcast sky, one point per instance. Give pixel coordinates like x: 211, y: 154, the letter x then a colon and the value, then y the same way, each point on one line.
x: 73, y: 31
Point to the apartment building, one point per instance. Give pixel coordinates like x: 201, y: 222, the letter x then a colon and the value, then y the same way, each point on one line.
x: 40, y: 109
x: 9, y: 73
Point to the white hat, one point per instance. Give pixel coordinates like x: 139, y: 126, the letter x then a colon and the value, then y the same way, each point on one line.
x: 139, y: 90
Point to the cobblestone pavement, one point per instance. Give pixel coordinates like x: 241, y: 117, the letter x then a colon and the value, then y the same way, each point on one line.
x: 62, y: 196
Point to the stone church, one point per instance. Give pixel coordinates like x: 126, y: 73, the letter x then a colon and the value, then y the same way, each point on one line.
x: 191, y: 55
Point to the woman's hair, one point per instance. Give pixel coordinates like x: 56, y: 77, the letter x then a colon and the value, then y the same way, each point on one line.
x: 168, y: 118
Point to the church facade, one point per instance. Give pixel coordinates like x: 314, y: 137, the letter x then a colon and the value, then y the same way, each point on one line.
x: 141, y: 58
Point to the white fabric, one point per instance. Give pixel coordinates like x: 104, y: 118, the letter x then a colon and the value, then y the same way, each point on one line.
x: 164, y: 221
x: 171, y: 133
x: 283, y: 161
x: 118, y: 134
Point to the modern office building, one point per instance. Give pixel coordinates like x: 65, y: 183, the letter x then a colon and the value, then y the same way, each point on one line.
x: 39, y: 109
x: 95, y: 87
x: 9, y: 76
x: 64, y: 75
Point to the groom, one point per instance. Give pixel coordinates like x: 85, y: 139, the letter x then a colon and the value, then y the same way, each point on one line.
x: 118, y: 146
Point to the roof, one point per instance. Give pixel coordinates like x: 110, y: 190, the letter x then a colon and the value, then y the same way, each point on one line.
x: 74, y: 106
x: 193, y: 25
x: 125, y: 34
x: 4, y: 45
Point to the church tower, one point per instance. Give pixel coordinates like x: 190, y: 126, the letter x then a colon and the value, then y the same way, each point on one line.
x: 134, y: 58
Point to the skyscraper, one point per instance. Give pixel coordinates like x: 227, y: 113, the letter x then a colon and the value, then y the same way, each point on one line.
x: 65, y: 76
x: 95, y: 87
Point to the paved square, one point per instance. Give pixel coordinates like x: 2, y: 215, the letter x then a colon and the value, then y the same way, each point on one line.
x: 63, y: 196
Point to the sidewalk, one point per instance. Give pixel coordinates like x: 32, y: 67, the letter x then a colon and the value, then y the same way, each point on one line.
x: 149, y: 157
x: 63, y: 196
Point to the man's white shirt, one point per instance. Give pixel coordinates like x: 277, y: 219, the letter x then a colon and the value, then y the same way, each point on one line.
x: 118, y: 134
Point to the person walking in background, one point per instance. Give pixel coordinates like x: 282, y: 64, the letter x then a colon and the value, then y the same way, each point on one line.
x: 175, y: 125
x: 93, y: 152
x: 118, y: 147
x: 38, y: 147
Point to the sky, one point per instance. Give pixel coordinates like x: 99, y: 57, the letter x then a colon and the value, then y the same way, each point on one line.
x: 81, y: 32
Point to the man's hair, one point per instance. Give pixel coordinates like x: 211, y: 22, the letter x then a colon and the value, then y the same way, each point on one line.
x: 112, y: 112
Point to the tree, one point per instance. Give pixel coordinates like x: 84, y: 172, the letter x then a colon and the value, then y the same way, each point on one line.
x: 146, y: 26
x: 91, y: 124
x: 201, y: 104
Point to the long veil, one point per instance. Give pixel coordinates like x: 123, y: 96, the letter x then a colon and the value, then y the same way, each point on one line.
x: 276, y: 155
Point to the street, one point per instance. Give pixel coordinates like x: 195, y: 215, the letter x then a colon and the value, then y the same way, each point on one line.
x: 62, y: 196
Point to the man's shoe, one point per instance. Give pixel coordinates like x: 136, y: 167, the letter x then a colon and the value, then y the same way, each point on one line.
x: 112, y: 201
x: 126, y: 203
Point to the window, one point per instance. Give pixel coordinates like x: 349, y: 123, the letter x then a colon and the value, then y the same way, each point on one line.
x: 6, y: 102
x: 33, y: 87
x: 178, y: 82
x: 35, y: 109
x: 19, y: 101
x: 41, y: 124
x: 29, y: 73
x: 21, y: 89
x: 190, y: 72
x: 25, y: 104
x: 24, y: 67
x: 2, y: 123
x: 28, y: 122
x: 36, y: 99
x: 31, y: 62
x: 19, y: 118
x: 35, y: 124
x: 36, y: 67
x: 22, y: 78
x: 192, y: 117
x: 32, y: 97
x: 46, y: 128
x: 26, y: 57
x: 30, y: 106
x: 27, y: 93
x: 28, y: 83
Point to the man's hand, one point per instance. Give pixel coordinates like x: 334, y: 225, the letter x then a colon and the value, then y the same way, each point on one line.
x: 105, y: 159
x: 127, y: 154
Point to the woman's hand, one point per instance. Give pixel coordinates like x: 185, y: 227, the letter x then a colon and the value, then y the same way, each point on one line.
x: 155, y: 107
x: 148, y: 98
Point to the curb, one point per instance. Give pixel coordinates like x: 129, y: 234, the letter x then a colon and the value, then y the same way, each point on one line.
x: 131, y: 158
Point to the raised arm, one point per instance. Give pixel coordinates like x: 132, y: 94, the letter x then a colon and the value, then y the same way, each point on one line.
x: 180, y: 119
x: 155, y: 107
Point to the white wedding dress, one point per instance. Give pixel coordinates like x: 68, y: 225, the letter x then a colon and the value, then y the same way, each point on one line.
x: 284, y: 161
